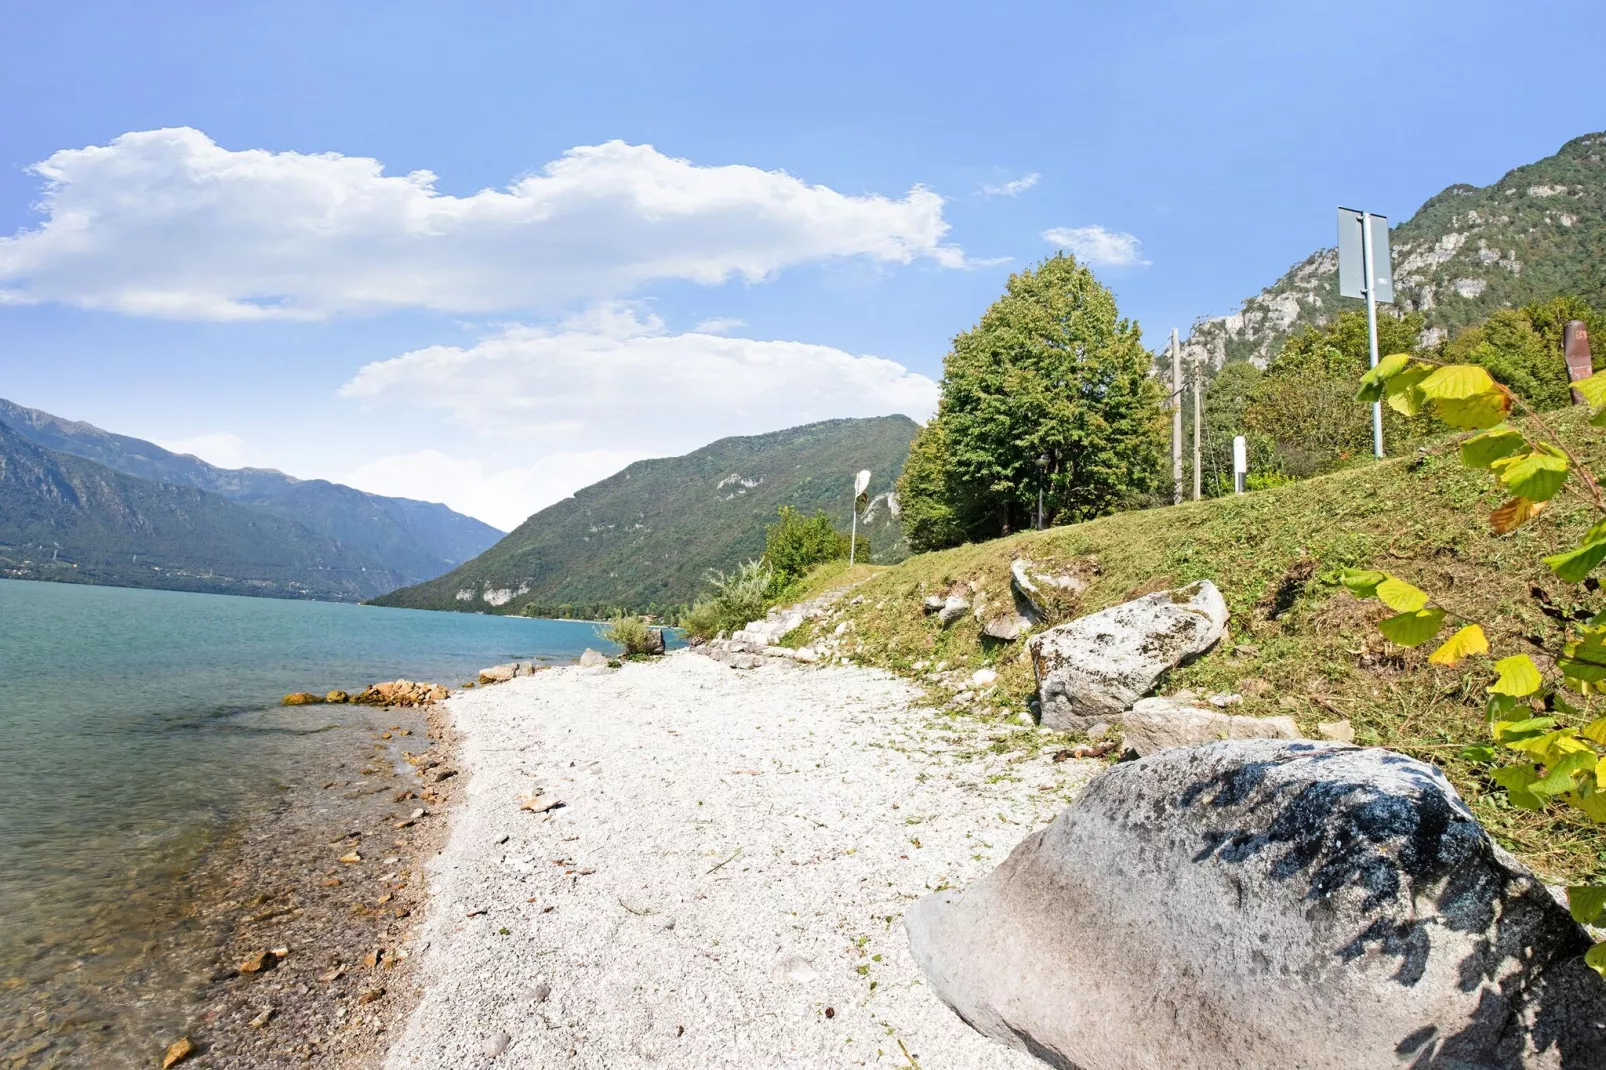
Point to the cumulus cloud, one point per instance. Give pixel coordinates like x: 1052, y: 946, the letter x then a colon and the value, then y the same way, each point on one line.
x: 718, y: 325
x: 1013, y: 188
x: 502, y: 496
x: 613, y: 374
x: 612, y: 385
x: 1099, y: 247
x: 168, y: 223
x: 221, y: 448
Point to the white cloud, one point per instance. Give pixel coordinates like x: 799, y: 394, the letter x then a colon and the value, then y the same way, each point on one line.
x: 610, y: 385
x: 1013, y: 188
x: 501, y: 496
x: 718, y: 325
x: 219, y: 447
x: 168, y: 223
x: 1099, y: 247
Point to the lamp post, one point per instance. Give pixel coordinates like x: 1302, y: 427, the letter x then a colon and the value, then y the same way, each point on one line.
x: 1042, y: 472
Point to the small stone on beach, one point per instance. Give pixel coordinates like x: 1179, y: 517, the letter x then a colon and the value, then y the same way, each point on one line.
x: 496, y: 1045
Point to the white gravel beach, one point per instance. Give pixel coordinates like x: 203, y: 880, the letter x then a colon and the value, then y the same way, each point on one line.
x: 726, y: 880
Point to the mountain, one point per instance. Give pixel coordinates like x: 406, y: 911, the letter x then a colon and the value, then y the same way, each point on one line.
x: 66, y: 518
x: 416, y: 540
x: 645, y: 537
x: 1538, y: 233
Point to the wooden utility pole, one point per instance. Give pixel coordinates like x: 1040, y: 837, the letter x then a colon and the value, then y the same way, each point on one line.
x: 1198, y: 420
x: 1176, y: 420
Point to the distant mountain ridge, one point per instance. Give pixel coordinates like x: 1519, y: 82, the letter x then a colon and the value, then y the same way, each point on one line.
x: 645, y: 537
x: 409, y: 540
x: 67, y: 518
x: 1537, y: 233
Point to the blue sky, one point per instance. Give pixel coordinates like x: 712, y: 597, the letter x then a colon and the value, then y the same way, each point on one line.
x: 832, y: 191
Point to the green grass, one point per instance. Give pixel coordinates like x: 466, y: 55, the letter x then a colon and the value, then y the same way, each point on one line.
x: 1276, y: 556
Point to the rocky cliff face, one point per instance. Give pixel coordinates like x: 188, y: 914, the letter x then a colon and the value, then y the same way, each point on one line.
x: 1539, y: 232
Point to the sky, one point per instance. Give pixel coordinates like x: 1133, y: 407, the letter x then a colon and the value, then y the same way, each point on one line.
x: 487, y: 254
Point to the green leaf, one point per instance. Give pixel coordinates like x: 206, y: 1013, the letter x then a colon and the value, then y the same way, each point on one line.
x: 1500, y: 707
x: 1373, y: 382
x: 1511, y: 731
x: 1595, y: 959
x: 1558, y: 779
x: 1593, y: 389
x: 1515, y: 779
x: 1536, y: 476
x: 1404, y: 391
x: 1480, y: 451
x: 1363, y: 582
x: 1574, y: 565
x: 1464, y: 643
x: 1593, y: 806
x: 1595, y: 731
x: 1457, y: 381
x: 1587, y: 903
x: 1414, y: 628
x: 1478, y: 411
x: 1478, y: 753
x: 1401, y: 596
x: 1518, y: 676
x: 1583, y: 661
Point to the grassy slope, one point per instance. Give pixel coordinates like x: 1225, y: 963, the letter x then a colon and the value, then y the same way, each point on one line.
x: 1422, y: 518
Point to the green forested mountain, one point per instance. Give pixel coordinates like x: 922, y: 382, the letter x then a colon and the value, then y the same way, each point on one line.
x: 66, y: 518
x: 416, y: 540
x: 644, y: 537
x: 1537, y: 233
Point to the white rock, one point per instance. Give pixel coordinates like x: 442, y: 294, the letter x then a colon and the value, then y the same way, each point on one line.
x: 1225, y: 699
x: 1094, y: 668
x: 952, y: 610
x: 1266, y: 904
x: 1156, y: 724
x: 592, y: 659
x: 1338, y: 731
x: 496, y: 1045
x: 984, y: 678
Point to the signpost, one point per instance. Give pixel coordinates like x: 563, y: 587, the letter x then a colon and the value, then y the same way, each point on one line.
x: 1176, y: 420
x: 861, y: 483
x: 1240, y: 464
x: 1364, y: 271
x: 1580, y: 365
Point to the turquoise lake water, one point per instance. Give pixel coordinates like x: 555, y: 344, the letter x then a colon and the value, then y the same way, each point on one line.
x: 135, y: 725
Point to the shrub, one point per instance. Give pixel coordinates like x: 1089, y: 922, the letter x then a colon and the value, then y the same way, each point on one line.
x: 739, y: 597
x: 631, y: 633
x: 794, y: 544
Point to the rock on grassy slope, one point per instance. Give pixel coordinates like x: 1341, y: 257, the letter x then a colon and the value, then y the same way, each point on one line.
x: 1298, y: 643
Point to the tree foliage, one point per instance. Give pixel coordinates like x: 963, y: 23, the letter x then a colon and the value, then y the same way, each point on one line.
x: 795, y: 543
x: 1539, y: 758
x: 1050, y: 371
x: 1302, y: 404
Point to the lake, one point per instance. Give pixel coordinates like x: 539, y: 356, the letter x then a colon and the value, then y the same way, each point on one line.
x: 136, y: 729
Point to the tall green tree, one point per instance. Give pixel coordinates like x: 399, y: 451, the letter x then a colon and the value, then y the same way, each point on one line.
x: 1052, y: 371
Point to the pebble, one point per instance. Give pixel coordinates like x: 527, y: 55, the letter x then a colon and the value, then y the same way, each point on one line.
x: 262, y: 1019
x: 496, y: 1045
x: 541, y: 993
x: 500, y: 840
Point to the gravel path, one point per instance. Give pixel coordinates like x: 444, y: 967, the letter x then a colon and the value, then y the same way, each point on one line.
x: 725, y: 885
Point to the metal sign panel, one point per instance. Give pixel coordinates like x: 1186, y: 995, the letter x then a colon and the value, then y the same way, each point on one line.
x: 861, y: 482
x: 1352, y: 256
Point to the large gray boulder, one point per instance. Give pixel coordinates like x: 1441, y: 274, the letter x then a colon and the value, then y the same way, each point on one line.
x: 1093, y: 668
x: 1156, y: 724
x: 1267, y: 904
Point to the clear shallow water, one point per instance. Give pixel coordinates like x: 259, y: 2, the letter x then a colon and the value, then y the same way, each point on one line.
x: 136, y: 726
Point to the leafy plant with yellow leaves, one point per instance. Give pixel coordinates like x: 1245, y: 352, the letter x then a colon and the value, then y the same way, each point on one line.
x: 1539, y: 761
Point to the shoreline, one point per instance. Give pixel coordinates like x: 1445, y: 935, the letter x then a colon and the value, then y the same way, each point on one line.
x: 676, y: 862
x: 288, y: 882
